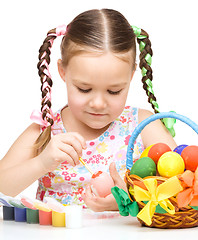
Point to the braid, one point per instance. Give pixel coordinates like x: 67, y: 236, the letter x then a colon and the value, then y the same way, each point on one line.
x: 46, y: 85
x: 145, y: 56
x: 45, y: 77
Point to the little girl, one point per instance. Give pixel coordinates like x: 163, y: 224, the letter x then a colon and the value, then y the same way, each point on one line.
x: 98, y: 53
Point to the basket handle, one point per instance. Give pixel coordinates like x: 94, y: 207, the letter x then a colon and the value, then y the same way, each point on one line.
x: 145, y: 122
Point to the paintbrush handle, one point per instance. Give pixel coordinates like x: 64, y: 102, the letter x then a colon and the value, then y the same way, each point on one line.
x: 82, y: 161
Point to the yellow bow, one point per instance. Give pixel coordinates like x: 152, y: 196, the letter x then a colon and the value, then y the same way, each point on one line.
x: 156, y: 195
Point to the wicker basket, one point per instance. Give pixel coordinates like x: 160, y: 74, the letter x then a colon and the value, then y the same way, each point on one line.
x: 184, y: 217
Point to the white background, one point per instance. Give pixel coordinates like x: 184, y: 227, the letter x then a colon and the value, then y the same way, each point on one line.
x: 172, y: 26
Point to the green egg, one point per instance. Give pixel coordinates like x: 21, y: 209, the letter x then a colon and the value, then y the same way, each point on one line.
x: 144, y: 167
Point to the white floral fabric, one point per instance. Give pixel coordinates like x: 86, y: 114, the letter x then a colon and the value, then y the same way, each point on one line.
x: 67, y: 183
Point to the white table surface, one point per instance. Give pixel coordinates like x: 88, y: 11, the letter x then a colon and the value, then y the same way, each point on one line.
x: 121, y: 228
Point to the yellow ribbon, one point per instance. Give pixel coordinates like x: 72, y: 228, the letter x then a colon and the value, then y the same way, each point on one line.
x: 156, y: 195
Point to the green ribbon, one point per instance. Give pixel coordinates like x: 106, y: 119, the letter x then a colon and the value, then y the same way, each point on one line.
x: 144, y: 71
x: 125, y: 205
x: 158, y: 208
x: 137, y: 32
x: 149, y: 85
x: 148, y: 58
x: 169, y: 123
x: 142, y: 46
x: 194, y: 207
x: 155, y: 104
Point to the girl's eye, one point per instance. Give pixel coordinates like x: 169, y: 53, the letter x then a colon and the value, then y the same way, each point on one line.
x: 114, y: 93
x: 84, y: 90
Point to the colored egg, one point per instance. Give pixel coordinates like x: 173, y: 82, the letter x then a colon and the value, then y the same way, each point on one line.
x: 170, y: 164
x: 157, y: 150
x: 180, y: 148
x: 101, y: 184
x: 144, y: 167
x: 145, y: 152
x: 190, y: 156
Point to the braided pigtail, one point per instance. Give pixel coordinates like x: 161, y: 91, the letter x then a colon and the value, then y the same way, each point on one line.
x: 46, y: 118
x: 145, y: 57
x: 146, y: 54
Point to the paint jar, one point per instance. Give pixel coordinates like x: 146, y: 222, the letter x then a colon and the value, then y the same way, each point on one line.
x: 73, y: 216
x: 32, y: 215
x: 58, y: 219
x: 8, y: 213
x: 45, y: 218
x: 20, y: 214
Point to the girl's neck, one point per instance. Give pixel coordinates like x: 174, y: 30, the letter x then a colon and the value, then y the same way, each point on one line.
x: 73, y: 125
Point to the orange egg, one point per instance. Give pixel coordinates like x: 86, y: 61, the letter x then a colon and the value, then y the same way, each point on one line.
x: 145, y: 152
x: 190, y: 156
x: 157, y: 150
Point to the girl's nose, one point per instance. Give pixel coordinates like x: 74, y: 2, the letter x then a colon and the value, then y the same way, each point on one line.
x: 98, y: 102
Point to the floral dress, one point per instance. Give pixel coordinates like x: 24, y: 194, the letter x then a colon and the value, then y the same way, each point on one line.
x: 66, y: 183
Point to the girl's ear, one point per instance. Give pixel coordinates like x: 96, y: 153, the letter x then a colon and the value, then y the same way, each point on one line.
x: 61, y: 70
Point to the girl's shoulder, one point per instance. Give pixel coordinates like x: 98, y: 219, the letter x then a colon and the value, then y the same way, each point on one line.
x: 22, y: 149
x: 143, y: 114
x: 28, y: 136
x: 154, y: 132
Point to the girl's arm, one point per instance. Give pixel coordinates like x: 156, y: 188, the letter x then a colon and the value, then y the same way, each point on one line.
x: 21, y: 167
x: 154, y: 132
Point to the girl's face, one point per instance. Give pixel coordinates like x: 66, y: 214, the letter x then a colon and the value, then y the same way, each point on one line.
x: 97, y: 88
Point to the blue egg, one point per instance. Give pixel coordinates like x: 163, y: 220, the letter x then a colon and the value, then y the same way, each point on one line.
x: 180, y: 148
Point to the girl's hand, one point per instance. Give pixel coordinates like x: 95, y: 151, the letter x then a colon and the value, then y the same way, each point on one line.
x: 62, y: 147
x: 108, y: 203
x: 99, y: 204
x: 118, y: 181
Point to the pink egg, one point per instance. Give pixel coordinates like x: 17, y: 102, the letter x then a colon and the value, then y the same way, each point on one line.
x: 101, y: 183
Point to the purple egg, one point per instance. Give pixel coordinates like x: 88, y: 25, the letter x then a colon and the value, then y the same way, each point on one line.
x: 180, y: 148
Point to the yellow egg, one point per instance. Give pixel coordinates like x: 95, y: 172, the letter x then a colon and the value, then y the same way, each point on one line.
x: 170, y: 164
x: 145, y: 152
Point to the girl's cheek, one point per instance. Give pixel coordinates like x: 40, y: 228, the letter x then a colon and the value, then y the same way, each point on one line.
x: 77, y: 102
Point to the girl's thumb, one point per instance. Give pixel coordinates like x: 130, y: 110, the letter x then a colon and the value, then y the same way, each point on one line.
x: 116, y: 177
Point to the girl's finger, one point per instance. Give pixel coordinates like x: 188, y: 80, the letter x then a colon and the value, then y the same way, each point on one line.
x: 71, y: 152
x: 88, y: 192
x: 116, y: 177
x: 73, y: 136
x: 62, y: 157
x: 81, y: 139
x: 72, y: 141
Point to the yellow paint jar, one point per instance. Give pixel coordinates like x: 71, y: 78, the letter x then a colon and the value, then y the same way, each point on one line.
x: 58, y: 219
